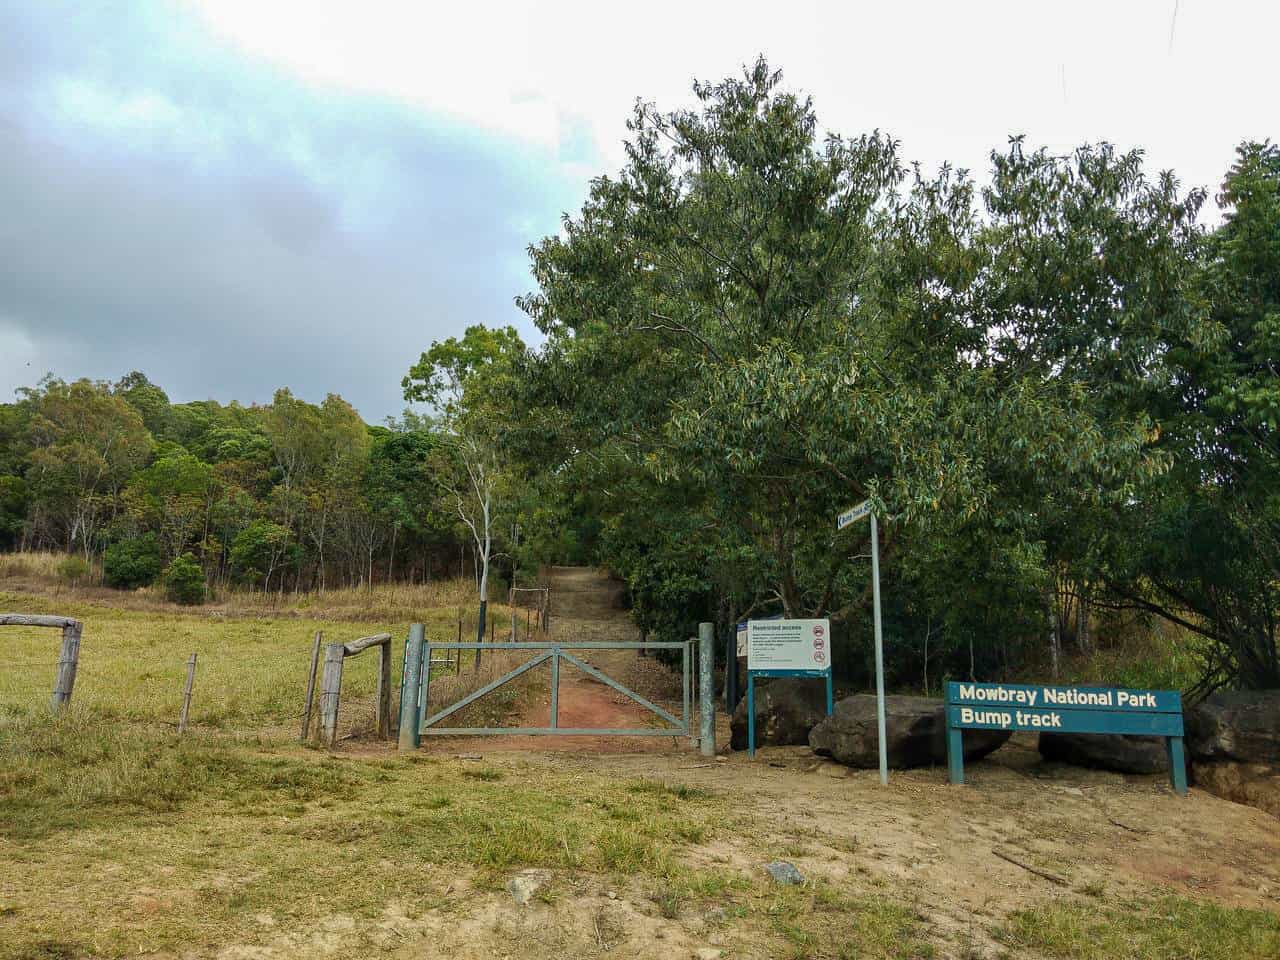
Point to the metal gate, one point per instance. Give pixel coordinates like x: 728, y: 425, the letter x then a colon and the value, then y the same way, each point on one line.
x: 417, y: 676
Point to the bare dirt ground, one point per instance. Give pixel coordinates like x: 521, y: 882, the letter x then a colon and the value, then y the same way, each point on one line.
x: 1110, y: 835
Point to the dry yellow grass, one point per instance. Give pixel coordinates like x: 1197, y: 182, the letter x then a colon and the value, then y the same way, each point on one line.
x: 252, y: 663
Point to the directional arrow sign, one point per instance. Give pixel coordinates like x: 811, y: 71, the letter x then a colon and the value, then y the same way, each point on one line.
x: 853, y: 514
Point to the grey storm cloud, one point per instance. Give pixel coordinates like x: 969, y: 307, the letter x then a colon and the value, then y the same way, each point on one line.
x: 170, y: 206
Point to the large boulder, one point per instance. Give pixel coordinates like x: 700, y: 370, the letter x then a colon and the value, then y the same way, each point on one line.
x: 915, y: 733
x: 1242, y: 726
x: 1255, y: 784
x: 1106, y: 751
x: 786, y: 710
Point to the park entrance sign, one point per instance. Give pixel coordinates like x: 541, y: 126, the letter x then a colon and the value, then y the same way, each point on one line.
x: 1054, y: 709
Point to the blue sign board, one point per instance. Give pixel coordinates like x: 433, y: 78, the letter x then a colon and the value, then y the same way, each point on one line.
x: 1040, y: 707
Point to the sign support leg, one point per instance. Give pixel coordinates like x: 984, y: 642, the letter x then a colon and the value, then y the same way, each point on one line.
x: 751, y: 714
x: 1177, y: 765
x: 875, y: 598
x: 955, y: 754
x: 831, y: 695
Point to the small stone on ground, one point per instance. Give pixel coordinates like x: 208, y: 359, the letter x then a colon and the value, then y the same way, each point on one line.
x: 525, y: 884
x: 784, y: 872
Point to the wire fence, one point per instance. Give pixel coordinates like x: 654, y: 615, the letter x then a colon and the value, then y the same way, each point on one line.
x: 238, y: 686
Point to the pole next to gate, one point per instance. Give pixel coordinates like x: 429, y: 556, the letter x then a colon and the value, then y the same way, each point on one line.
x: 409, y: 690
x: 706, y: 688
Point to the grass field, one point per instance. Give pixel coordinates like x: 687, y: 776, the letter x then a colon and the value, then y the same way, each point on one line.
x: 120, y: 839
x: 251, y: 667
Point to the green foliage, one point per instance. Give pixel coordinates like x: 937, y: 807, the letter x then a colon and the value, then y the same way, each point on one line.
x: 1207, y: 533
x: 751, y: 328
x: 73, y: 570
x: 85, y: 465
x: 132, y: 562
x: 258, y: 550
x: 184, y: 581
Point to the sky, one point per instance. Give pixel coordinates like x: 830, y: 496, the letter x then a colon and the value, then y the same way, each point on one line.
x: 238, y: 195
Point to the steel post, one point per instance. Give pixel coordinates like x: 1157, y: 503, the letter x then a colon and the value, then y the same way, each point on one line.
x: 875, y: 603
x: 706, y: 688
x: 409, y: 689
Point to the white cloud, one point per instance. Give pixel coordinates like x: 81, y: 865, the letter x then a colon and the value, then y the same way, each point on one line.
x: 950, y: 79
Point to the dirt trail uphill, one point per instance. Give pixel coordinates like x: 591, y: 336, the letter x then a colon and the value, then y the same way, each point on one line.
x: 587, y: 605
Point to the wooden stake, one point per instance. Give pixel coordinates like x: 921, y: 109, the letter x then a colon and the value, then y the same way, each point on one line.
x: 311, y: 687
x: 68, y: 660
x: 186, y: 693
x: 384, y: 690
x: 330, y: 693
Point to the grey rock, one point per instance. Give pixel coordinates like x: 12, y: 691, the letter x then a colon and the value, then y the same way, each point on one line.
x: 1106, y: 751
x: 707, y: 953
x: 787, y: 708
x: 784, y: 872
x: 525, y: 884
x: 1255, y: 784
x: 1239, y: 725
x: 915, y: 733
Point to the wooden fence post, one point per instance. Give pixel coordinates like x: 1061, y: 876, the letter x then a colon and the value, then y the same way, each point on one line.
x: 68, y: 659
x: 311, y: 687
x: 186, y: 693
x: 330, y: 693
x: 384, y: 690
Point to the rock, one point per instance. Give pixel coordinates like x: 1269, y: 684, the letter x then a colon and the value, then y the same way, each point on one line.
x: 784, y: 872
x: 1240, y: 725
x: 707, y: 953
x: 525, y: 884
x: 1106, y: 751
x: 786, y: 710
x: 1256, y: 784
x: 915, y: 733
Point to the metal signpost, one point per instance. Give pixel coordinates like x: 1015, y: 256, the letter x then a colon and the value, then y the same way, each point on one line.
x: 852, y: 515
x: 785, y: 648
x: 1013, y: 706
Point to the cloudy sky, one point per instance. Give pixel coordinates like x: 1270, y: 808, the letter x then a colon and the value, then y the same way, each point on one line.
x: 236, y: 195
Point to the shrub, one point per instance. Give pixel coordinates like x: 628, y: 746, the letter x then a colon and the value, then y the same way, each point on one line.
x: 184, y: 581
x: 132, y: 563
x: 73, y: 569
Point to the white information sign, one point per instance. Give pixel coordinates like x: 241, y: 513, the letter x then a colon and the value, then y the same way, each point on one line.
x: 742, y: 639
x: 788, y: 644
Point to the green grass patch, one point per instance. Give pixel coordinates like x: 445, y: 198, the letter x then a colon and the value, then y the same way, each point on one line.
x: 1157, y: 929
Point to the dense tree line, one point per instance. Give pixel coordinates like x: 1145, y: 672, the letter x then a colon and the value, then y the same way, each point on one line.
x: 287, y: 496
x: 1059, y: 389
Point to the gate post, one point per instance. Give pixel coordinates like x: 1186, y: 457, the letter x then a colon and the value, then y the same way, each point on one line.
x: 68, y: 658
x: 409, y: 691
x: 331, y: 693
x: 706, y: 687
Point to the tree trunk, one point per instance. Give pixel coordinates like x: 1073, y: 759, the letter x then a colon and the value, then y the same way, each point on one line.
x: 1055, y: 639
x: 1082, y: 624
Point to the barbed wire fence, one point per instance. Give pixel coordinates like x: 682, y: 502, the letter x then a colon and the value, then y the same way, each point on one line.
x: 231, y: 689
